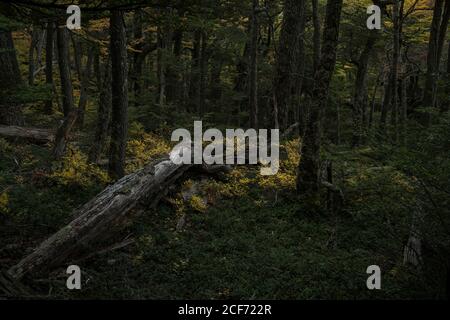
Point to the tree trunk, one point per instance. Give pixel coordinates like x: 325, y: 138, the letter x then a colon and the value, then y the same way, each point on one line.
x: 429, y: 98
x: 316, y: 35
x: 77, y: 55
x: 360, y: 93
x: 202, y: 75
x: 62, y: 134
x: 84, y: 91
x: 443, y: 31
x: 35, y: 35
x: 173, y: 74
x: 391, y: 93
x: 10, y: 112
x: 119, y: 122
x: 64, y: 70
x: 34, y: 134
x: 103, y: 116
x: 98, y: 220
x: 287, y: 60
x: 253, y: 67
x: 49, y: 64
x: 194, y: 85
x: 67, y: 93
x: 308, y: 179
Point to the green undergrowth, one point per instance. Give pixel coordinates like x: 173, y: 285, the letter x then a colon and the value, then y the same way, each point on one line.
x: 243, y: 236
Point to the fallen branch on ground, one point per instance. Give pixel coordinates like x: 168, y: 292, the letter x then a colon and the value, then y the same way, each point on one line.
x: 36, y: 134
x: 100, y: 218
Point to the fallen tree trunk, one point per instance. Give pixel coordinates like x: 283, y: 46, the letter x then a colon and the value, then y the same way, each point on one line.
x: 98, y: 219
x: 41, y: 135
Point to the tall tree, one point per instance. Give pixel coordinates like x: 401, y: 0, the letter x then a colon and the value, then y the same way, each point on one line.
x: 84, y: 89
x: 433, y: 57
x: 391, y: 93
x: 64, y: 69
x: 316, y: 33
x: 49, y: 63
x: 119, y: 69
x: 70, y: 113
x: 253, y: 66
x: 103, y: 114
x: 308, y: 179
x: 360, y: 95
x: 288, y: 57
x: 10, y: 112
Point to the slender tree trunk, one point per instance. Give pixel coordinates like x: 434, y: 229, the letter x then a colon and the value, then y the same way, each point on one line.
x: 202, y: 81
x: 372, y: 103
x: 215, y: 81
x: 360, y: 94
x: 445, y: 106
x: 35, y: 35
x: 161, y: 66
x: 316, y: 35
x: 173, y: 75
x: 84, y: 91
x: 10, y: 112
x: 70, y: 113
x: 443, y: 30
x: 77, y: 55
x: 390, y: 101
x: 429, y: 98
x: 253, y: 67
x: 119, y: 124
x: 397, y: 17
x: 194, y: 85
x: 64, y: 70
x: 49, y: 64
x: 288, y: 60
x: 103, y: 116
x: 404, y: 101
x: 308, y: 179
x: 448, y: 58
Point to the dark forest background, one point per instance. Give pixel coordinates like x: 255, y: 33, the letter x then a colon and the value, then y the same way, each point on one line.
x: 86, y: 117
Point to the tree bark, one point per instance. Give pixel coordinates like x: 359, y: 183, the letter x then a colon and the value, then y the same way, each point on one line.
x: 10, y: 112
x: 429, y: 97
x: 119, y: 122
x: 84, y: 91
x: 64, y: 70
x: 35, y: 134
x: 288, y: 58
x: 103, y: 116
x: 70, y: 113
x: 308, y: 179
x: 35, y: 35
x: 62, y: 134
x: 49, y: 64
x: 360, y: 93
x: 253, y: 67
x: 316, y: 34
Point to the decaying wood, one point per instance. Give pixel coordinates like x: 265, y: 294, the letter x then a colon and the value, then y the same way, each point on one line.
x: 35, y: 134
x: 97, y: 220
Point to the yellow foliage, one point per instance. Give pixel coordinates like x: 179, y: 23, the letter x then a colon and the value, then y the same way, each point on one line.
x: 4, y: 201
x: 76, y: 169
x: 143, y: 147
x: 198, y: 204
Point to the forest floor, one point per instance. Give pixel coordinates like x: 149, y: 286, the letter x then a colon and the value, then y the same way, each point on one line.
x: 244, y: 236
